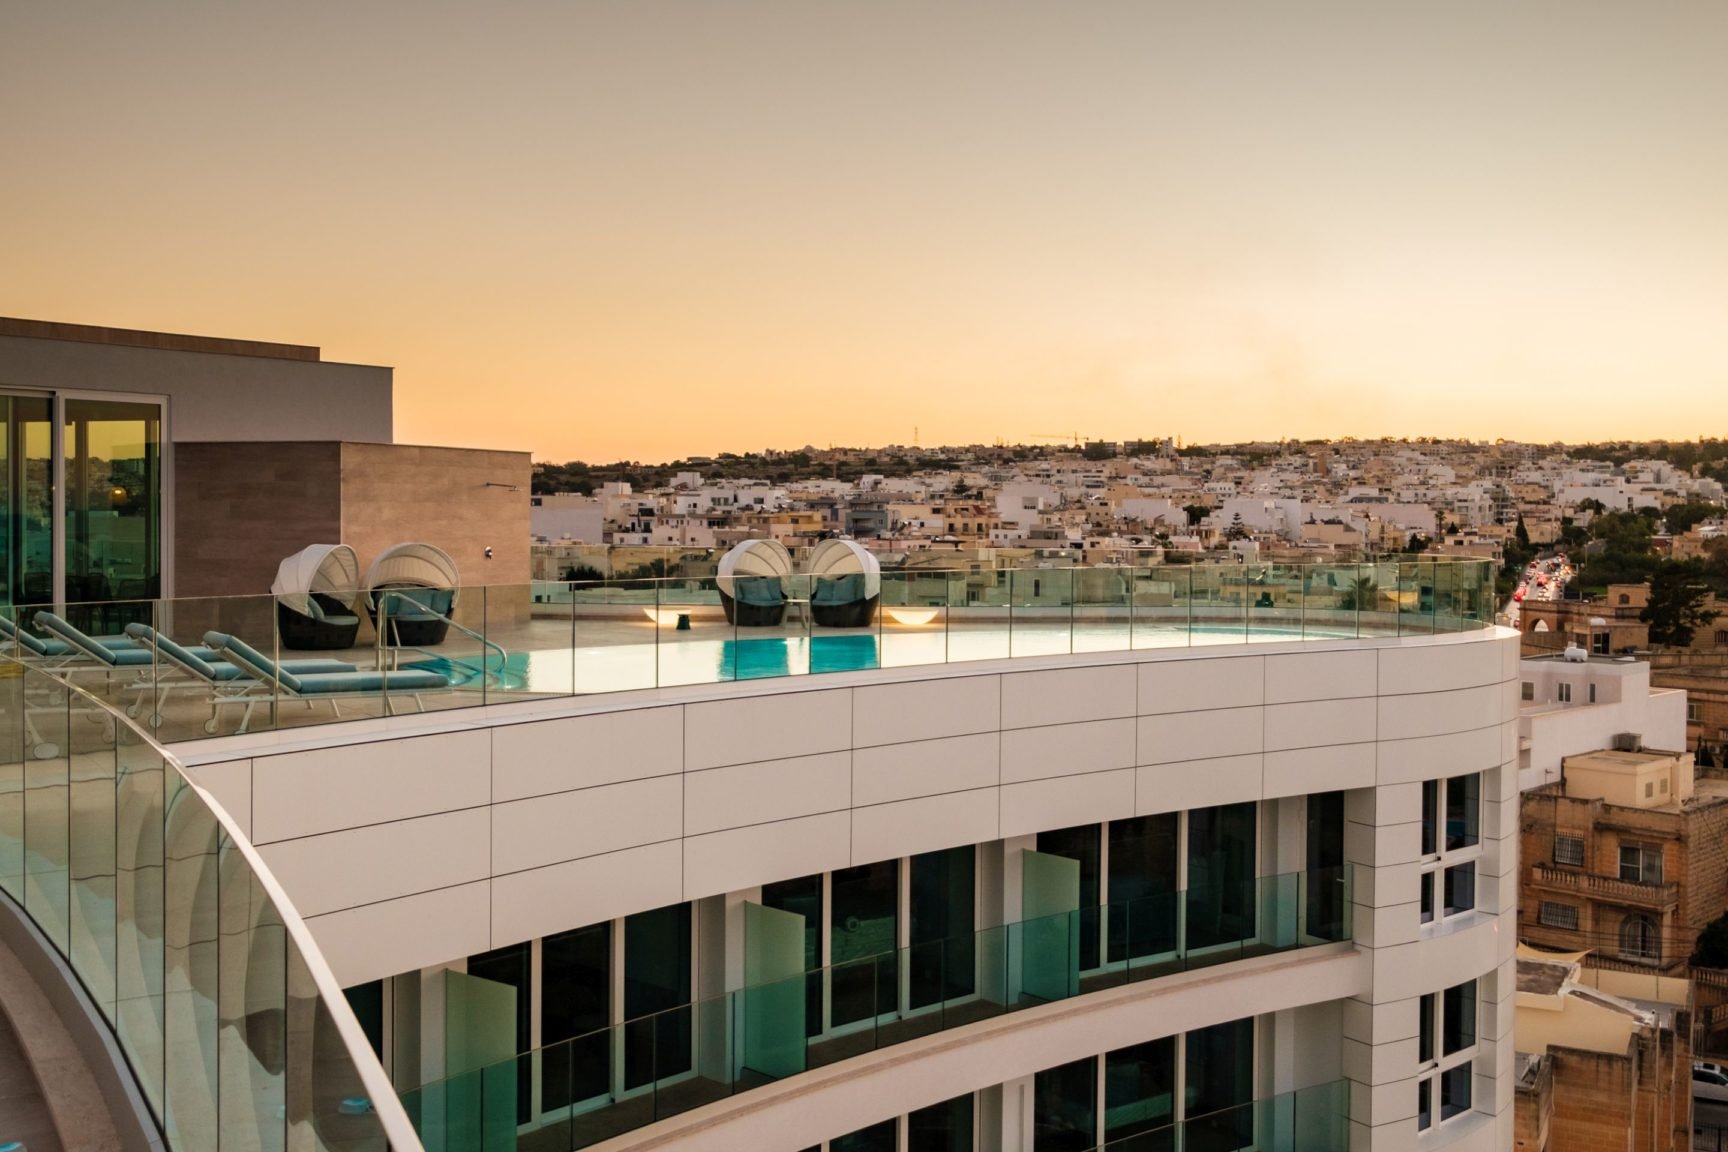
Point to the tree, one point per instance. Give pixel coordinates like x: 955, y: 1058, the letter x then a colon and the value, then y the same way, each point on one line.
x: 1522, y: 534
x: 1195, y: 513
x: 1682, y: 516
x: 1418, y: 543
x: 1359, y: 596
x: 1237, y: 530
x: 1711, y: 951
x: 1679, y: 603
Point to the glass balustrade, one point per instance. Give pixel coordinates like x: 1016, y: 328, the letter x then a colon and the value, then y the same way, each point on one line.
x: 612, y: 1080
x: 236, y: 1033
x: 191, y: 668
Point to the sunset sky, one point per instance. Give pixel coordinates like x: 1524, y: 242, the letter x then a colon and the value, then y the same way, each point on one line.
x: 646, y: 229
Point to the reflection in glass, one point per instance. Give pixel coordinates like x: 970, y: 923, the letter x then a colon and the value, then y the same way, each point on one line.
x: 1221, y: 855
x: 941, y: 960
x: 26, y: 501
x: 656, y: 980
x: 1218, y: 1086
x: 1143, y: 864
x: 877, y: 1138
x: 1140, y: 1094
x: 944, y: 1127
x: 575, y: 1000
x: 863, y: 933
x: 511, y: 965
x: 1065, y: 1107
x: 113, y: 511
x: 1325, y: 859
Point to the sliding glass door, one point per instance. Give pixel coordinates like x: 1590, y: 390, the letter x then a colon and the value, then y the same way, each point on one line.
x: 81, y: 498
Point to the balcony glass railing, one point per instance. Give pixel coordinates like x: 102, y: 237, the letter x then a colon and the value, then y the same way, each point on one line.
x: 611, y: 1080
x: 236, y: 1032
x: 1315, y: 1119
x: 193, y: 668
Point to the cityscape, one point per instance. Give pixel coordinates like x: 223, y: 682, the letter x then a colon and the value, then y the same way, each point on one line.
x: 432, y: 719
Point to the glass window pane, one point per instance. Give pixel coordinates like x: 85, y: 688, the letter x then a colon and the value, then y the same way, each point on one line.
x: 1426, y: 897
x: 804, y: 896
x: 1221, y: 860
x: 657, y: 982
x: 1081, y: 843
x: 113, y: 510
x: 877, y: 1138
x: 942, y: 917
x: 1425, y: 1023
x: 862, y: 936
x: 1455, y: 1091
x: 1460, y: 888
x: 26, y: 477
x: 1325, y: 864
x: 1462, y: 806
x: 1139, y: 1088
x: 1142, y: 886
x: 575, y: 1012
x: 1430, y: 817
x: 1218, y: 1089
x: 944, y: 1127
x: 1458, y: 1029
x: 1065, y: 1107
x: 1424, y: 1105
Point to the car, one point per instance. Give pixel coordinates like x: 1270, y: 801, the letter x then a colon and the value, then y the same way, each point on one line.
x: 1709, y: 1084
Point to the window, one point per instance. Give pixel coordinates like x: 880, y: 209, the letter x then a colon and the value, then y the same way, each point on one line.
x: 1527, y: 691
x: 1599, y: 643
x: 1451, y: 840
x: 1641, y: 863
x: 1638, y: 939
x: 1563, y: 693
x: 1445, y: 1044
x: 1721, y: 636
x: 1569, y: 850
x: 1558, y: 916
x: 1592, y: 693
x: 1692, y: 712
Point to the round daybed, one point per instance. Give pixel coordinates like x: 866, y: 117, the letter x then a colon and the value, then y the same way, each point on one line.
x: 411, y: 592
x: 751, y: 579
x: 845, y: 583
x: 315, y: 590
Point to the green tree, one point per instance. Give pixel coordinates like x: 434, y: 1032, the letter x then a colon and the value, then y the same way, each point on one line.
x: 1237, y: 530
x: 1682, y: 516
x: 1522, y: 534
x: 1196, y: 513
x: 1359, y: 596
x: 1679, y: 603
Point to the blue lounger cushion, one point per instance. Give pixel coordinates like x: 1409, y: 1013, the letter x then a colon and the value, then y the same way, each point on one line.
x: 37, y: 646
x: 760, y: 591
x: 847, y: 589
x: 195, y: 660
x: 128, y: 657
x: 257, y: 664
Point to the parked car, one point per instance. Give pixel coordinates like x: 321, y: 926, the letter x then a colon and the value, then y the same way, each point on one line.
x: 1708, y: 1084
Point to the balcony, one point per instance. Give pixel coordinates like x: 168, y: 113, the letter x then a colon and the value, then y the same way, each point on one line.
x: 1610, y: 888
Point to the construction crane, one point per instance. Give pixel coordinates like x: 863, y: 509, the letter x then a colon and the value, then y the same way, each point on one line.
x: 1074, y: 437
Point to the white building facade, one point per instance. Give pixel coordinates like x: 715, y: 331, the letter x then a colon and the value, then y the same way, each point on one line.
x: 1222, y: 897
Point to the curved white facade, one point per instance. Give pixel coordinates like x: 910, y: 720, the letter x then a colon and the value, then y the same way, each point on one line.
x: 412, y: 844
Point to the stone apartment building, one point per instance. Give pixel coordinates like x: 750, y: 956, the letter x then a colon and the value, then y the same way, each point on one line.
x: 1604, y: 1059
x: 1626, y: 855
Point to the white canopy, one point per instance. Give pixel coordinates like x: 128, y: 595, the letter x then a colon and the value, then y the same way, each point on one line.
x: 844, y: 557
x: 332, y: 569
x: 753, y: 558
x: 416, y: 565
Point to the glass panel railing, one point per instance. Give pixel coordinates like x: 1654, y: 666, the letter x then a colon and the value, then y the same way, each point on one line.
x: 234, y: 1029
x: 1313, y: 1119
x: 613, y: 1080
x: 193, y: 668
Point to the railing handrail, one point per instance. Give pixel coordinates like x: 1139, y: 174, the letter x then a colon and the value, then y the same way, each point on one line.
x: 392, y: 1116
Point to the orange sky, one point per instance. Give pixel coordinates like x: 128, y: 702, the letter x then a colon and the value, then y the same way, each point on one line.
x: 649, y: 229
